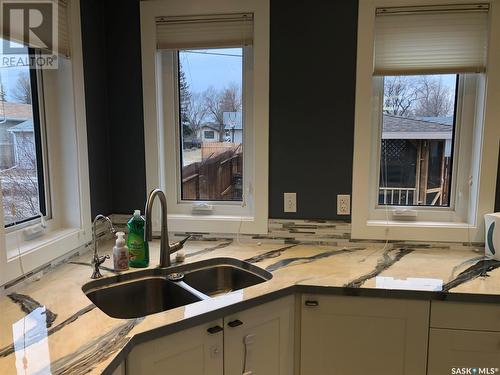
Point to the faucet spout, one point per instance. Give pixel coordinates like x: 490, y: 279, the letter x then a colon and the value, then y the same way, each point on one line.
x: 165, y: 248
x: 96, y: 259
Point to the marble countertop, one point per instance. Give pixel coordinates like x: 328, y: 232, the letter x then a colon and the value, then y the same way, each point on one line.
x: 50, y: 327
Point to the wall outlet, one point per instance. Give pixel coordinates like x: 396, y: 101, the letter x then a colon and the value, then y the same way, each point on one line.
x: 290, y: 202
x: 343, y: 204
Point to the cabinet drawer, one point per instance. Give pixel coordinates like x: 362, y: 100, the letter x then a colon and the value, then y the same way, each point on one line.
x: 462, y: 315
x: 451, y: 349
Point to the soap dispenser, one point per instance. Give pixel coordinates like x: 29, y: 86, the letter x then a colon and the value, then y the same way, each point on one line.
x: 120, y: 253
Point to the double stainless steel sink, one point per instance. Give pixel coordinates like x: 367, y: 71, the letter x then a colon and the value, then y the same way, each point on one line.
x: 149, y: 291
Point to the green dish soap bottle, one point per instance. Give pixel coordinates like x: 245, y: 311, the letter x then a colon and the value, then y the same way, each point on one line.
x: 138, y: 248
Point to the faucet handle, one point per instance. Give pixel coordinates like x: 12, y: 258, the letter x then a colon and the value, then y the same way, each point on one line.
x: 96, y: 262
x: 178, y: 245
x: 183, y: 241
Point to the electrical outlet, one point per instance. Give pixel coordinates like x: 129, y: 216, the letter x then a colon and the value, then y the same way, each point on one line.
x: 343, y: 204
x: 290, y: 202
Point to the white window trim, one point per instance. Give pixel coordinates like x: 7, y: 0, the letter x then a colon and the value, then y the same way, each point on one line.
x: 68, y: 226
x: 482, y: 196
x: 230, y: 218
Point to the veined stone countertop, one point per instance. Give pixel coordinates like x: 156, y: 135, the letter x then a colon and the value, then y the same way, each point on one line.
x: 50, y: 327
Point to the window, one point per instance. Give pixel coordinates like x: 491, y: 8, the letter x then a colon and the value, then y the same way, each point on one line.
x: 210, y: 85
x: 209, y: 134
x: 21, y: 136
x: 418, y: 131
x: 425, y: 134
x: 211, y: 162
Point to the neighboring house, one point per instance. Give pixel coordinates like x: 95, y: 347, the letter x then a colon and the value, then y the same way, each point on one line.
x: 11, y: 114
x: 416, y: 160
x: 233, y: 126
x: 24, y: 145
x: 208, y: 132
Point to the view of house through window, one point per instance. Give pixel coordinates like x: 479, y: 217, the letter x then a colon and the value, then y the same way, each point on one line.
x: 418, y: 124
x: 210, y: 112
x: 19, y: 177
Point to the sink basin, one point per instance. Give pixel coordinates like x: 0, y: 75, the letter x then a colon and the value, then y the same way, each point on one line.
x: 149, y: 291
x: 219, y: 279
x: 140, y: 297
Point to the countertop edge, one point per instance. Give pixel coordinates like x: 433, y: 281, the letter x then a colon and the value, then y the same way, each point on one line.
x: 293, y: 289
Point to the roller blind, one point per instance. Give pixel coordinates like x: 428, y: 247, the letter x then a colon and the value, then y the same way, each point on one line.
x: 437, y: 39
x: 226, y: 30
x: 15, y: 33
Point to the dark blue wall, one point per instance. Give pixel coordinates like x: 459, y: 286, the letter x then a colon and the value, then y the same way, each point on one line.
x: 113, y: 95
x: 312, y: 94
x: 313, y: 81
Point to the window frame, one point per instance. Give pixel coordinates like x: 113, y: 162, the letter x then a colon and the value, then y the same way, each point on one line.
x: 463, y: 130
x: 249, y: 216
x: 428, y: 225
x: 220, y: 207
x: 172, y: 141
x: 40, y: 137
x: 378, y: 85
x: 68, y: 227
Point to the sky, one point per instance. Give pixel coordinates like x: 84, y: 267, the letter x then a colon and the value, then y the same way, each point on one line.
x: 9, y: 76
x: 212, y: 67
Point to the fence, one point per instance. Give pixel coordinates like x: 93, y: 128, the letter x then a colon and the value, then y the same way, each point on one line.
x: 212, y: 149
x: 216, y: 177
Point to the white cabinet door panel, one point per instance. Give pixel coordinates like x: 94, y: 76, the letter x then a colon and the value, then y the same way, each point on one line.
x: 355, y: 335
x: 449, y: 349
x: 268, y: 331
x: 193, y: 351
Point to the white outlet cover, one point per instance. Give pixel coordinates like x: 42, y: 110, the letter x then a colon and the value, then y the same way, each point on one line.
x: 290, y: 202
x: 343, y: 204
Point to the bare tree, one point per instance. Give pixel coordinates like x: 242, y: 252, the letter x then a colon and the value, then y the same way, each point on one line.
x: 436, y: 98
x: 231, y: 98
x: 20, y: 182
x: 219, y: 101
x: 401, y: 94
x: 215, y: 108
x: 22, y: 90
x: 3, y: 93
x: 196, y: 111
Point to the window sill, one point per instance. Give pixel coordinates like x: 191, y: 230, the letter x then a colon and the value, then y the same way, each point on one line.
x: 49, y: 239
x: 418, y: 231
x: 216, y: 224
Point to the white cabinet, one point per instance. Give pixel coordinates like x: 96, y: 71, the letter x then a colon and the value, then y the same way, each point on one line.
x: 194, y: 351
x: 355, y: 335
x: 464, y: 335
x: 260, y: 340
x: 450, y: 349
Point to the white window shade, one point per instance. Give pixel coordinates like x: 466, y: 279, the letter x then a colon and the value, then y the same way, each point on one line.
x: 431, y: 41
x: 16, y: 32
x: 228, y: 30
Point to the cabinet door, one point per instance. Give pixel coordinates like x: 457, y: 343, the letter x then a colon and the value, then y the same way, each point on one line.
x: 453, y: 349
x: 194, y: 351
x: 260, y: 340
x: 357, y: 335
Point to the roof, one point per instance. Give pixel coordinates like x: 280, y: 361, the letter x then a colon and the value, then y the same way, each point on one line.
x: 445, y: 120
x: 16, y: 110
x: 397, y: 127
x: 211, y: 126
x: 232, y: 120
x: 25, y: 126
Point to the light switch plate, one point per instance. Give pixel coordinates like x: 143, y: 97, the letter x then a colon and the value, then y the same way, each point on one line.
x: 343, y: 204
x: 290, y: 202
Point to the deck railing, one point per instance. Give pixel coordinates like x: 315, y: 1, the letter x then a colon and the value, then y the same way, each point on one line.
x: 398, y: 196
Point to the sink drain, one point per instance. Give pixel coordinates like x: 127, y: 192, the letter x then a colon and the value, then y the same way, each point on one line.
x: 177, y: 276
